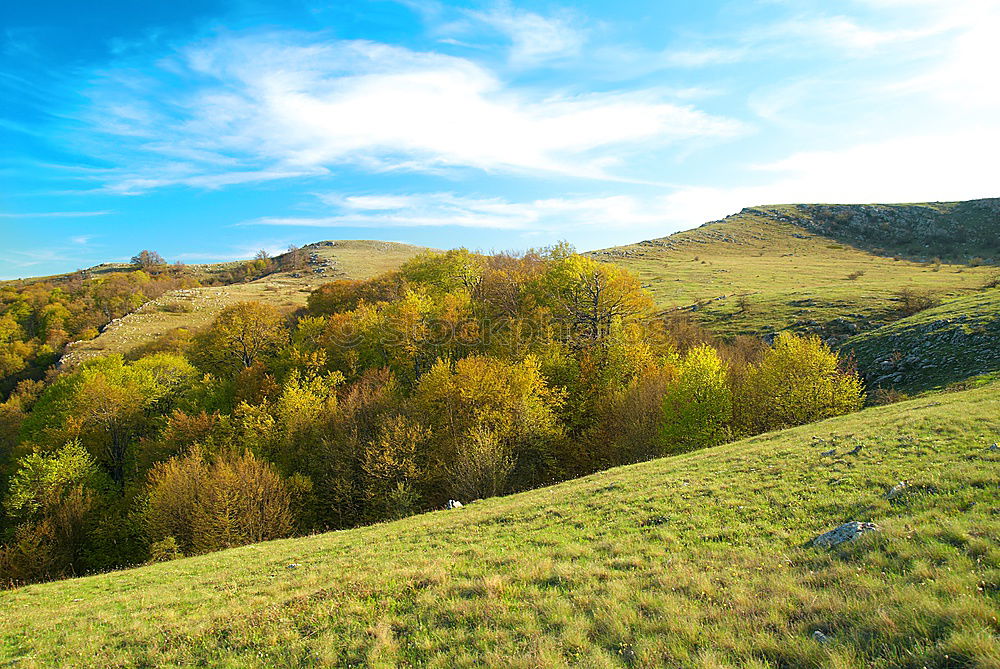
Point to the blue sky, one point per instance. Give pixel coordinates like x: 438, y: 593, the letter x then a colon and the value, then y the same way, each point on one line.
x: 207, y: 130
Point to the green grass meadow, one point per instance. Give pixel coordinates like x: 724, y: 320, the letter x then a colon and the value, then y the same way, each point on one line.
x: 754, y: 275
x: 697, y: 560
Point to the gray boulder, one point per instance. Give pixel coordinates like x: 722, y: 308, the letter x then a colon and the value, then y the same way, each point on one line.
x: 846, y: 532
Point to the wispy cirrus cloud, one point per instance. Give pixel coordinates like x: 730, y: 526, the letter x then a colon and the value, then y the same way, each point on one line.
x: 534, y: 38
x: 276, y: 106
x: 443, y: 209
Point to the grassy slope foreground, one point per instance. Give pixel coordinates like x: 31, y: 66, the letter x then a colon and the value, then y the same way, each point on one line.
x: 824, y: 268
x: 694, y: 560
x: 197, y: 307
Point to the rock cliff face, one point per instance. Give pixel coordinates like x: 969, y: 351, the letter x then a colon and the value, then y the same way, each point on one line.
x: 950, y: 231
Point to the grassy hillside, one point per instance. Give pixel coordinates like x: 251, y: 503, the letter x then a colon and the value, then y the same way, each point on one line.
x: 194, y: 308
x: 949, y: 343
x: 772, y: 268
x: 695, y: 560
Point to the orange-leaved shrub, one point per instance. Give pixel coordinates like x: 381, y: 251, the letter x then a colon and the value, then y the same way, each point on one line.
x: 208, y: 504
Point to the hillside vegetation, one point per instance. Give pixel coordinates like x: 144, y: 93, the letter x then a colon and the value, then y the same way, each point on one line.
x: 694, y: 560
x: 458, y: 376
x: 193, y: 308
x: 833, y: 270
x: 946, y: 344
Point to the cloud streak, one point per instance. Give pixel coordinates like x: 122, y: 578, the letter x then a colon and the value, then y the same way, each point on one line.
x: 291, y: 105
x: 445, y: 209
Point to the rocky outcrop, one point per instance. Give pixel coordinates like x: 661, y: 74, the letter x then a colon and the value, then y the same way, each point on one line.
x: 956, y: 231
x: 947, y: 344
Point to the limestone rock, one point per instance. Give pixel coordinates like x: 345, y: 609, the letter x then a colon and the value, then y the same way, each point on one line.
x: 896, y: 490
x: 819, y: 637
x: 846, y: 532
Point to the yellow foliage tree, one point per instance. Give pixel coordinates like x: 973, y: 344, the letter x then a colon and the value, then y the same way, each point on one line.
x: 508, y: 400
x: 241, y: 335
x: 231, y: 501
x: 391, y: 467
x: 798, y: 381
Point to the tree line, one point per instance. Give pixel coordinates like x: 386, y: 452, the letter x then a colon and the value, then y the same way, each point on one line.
x: 459, y: 376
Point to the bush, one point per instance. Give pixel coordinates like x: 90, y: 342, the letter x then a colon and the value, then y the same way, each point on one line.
x: 391, y: 468
x: 177, y: 307
x: 884, y: 396
x: 628, y: 424
x: 165, y: 550
x: 913, y: 301
x: 482, y: 467
x: 206, y: 506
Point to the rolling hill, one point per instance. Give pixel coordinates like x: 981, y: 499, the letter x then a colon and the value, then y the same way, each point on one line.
x: 835, y: 270
x: 196, y: 307
x: 700, y: 560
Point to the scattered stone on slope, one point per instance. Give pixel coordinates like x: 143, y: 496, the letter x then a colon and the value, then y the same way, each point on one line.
x: 830, y: 453
x: 846, y: 532
x: 896, y: 490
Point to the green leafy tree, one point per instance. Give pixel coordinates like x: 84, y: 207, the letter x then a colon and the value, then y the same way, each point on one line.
x: 698, y: 404
x: 480, y: 395
x: 109, y: 404
x: 51, y: 499
x: 241, y: 336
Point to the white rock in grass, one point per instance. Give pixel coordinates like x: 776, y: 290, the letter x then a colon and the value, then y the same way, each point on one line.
x: 820, y: 637
x: 896, y: 490
x: 846, y: 532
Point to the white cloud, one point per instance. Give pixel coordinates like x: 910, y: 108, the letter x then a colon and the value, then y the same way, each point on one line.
x: 286, y: 106
x: 534, y: 38
x: 449, y: 209
x: 704, y: 56
x: 959, y: 165
x: 846, y: 33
